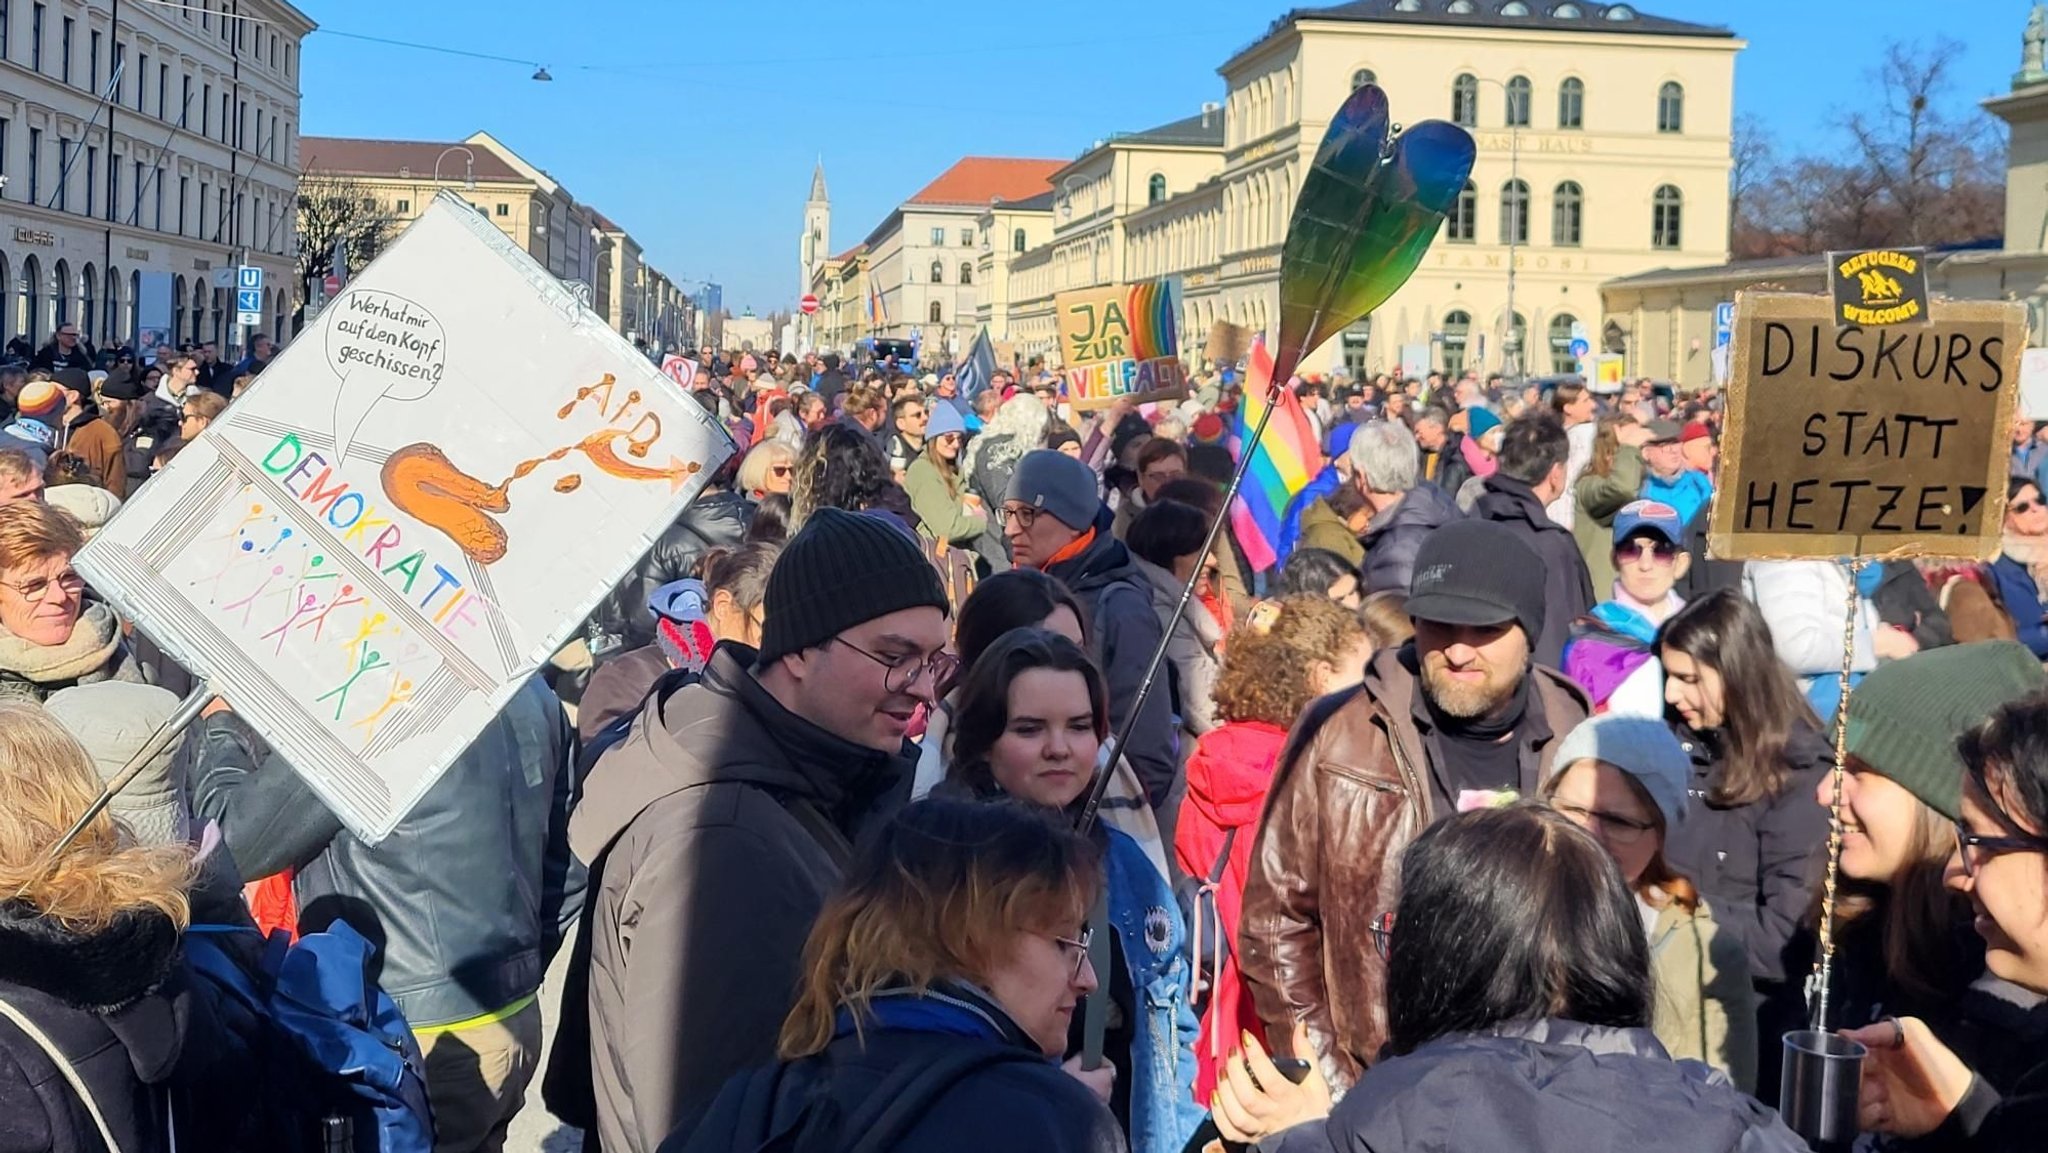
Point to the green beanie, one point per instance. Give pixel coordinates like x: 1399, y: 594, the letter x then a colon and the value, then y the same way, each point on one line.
x: 1905, y: 717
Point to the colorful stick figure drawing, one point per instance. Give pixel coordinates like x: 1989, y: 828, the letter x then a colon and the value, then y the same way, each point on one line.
x: 368, y: 660
x: 399, y: 692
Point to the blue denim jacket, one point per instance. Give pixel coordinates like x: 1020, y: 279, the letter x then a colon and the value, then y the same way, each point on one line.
x: 1148, y: 924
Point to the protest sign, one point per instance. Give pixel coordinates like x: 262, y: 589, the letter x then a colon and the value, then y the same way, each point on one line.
x: 1866, y: 442
x: 413, y: 507
x: 1119, y: 342
x: 1607, y: 373
x: 1879, y: 287
x: 680, y: 369
x: 1227, y: 343
x: 1414, y: 361
x: 2034, y: 384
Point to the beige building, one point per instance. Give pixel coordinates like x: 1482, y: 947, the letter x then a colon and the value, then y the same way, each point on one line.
x: 188, y: 168
x: 1009, y: 229
x: 1603, y: 149
x: 841, y: 286
x: 1664, y: 320
x: 571, y: 239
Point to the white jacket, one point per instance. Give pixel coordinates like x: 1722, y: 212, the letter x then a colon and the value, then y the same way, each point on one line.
x: 1806, y: 603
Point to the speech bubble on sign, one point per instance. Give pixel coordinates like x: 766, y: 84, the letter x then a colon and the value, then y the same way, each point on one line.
x: 381, y: 345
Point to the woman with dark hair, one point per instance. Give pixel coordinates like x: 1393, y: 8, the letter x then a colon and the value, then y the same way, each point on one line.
x: 1519, y: 1000
x: 771, y: 519
x: 1322, y: 573
x: 1755, y: 842
x: 1032, y: 716
x: 2023, y: 562
x: 938, y: 986
x: 1915, y: 1085
x: 842, y: 467
x: 1166, y: 538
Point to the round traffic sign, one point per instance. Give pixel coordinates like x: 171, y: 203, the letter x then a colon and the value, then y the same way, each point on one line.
x: 1580, y: 348
x: 809, y: 304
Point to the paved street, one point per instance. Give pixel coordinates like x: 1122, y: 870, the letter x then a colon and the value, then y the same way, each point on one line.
x: 535, y: 1130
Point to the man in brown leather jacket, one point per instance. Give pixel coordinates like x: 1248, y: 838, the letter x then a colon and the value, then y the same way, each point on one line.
x: 1457, y: 717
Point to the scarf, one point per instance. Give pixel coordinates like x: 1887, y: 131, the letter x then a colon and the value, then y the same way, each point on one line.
x: 1075, y: 548
x: 34, y: 431
x: 936, y: 1010
x: 1488, y: 729
x: 1483, y: 462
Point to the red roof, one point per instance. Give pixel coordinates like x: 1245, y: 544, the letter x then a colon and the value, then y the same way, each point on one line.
x: 849, y: 254
x: 410, y: 158
x: 977, y: 180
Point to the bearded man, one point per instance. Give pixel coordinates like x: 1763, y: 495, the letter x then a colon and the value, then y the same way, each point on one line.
x: 1458, y: 717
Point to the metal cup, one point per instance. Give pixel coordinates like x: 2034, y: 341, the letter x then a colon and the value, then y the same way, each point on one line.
x: 1819, y: 1087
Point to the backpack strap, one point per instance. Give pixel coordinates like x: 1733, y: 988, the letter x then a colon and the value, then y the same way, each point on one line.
x: 64, y: 1066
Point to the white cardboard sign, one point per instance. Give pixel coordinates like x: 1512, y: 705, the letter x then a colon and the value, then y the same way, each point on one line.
x: 2034, y: 384
x: 410, y: 511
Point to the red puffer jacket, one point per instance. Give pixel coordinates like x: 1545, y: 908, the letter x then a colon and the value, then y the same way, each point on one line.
x: 1227, y: 777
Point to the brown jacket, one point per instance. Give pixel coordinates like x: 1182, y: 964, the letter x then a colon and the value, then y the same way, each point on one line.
x: 1350, y: 794
x: 96, y: 441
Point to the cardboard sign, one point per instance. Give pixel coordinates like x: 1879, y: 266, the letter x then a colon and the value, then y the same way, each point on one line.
x: 2034, y: 384
x: 1607, y: 372
x: 1119, y: 342
x: 413, y: 507
x: 1870, y: 442
x: 680, y: 369
x: 1414, y: 362
x: 1227, y: 343
x: 1879, y: 287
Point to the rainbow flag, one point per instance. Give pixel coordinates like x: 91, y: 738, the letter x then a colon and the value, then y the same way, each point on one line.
x: 1283, y: 461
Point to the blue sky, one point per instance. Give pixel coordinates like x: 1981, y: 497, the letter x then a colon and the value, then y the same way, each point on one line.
x: 695, y: 125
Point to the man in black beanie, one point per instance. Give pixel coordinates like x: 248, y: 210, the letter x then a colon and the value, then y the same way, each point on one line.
x: 716, y: 829
x: 1458, y: 717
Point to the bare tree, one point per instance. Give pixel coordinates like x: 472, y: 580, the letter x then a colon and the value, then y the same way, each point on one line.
x: 1754, y: 154
x: 331, y: 208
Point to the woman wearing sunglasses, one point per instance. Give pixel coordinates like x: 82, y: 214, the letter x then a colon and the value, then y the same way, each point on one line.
x: 50, y: 637
x: 1032, y: 715
x: 1915, y: 1085
x: 1612, y: 649
x: 2022, y: 563
x: 937, y: 990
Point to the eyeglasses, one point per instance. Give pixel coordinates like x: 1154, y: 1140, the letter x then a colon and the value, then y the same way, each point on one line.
x: 781, y: 469
x: 67, y: 582
x: 1025, y: 515
x: 1080, y: 947
x: 1663, y: 551
x: 905, y: 671
x: 914, y: 414
x: 1991, y: 847
x: 1382, y: 932
x: 1613, y: 827
x: 2024, y: 506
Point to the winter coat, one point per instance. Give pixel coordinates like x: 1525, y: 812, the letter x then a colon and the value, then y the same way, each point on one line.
x: 1611, y: 655
x: 1904, y: 600
x: 1292, y: 524
x: 617, y: 687
x: 96, y: 652
x: 1705, y: 1008
x: 467, y: 899
x: 1548, y: 1086
x: 1359, y: 782
x: 1322, y: 528
x: 1596, y: 499
x: 1453, y: 469
x: 1689, y: 492
x: 100, y: 446
x: 939, y: 506
x: 1707, y: 573
x: 1018, y: 1102
x: 1395, y: 535
x: 2022, y: 601
x: 1989, y: 1121
x: 1806, y: 604
x: 117, y: 1004
x: 714, y: 832
x: 1228, y: 775
x: 1567, y: 589
x: 1125, y: 631
x: 714, y: 520
x: 1193, y: 653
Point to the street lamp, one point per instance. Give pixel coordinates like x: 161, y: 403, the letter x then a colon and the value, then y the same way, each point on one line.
x: 468, y: 165
x: 1512, y: 342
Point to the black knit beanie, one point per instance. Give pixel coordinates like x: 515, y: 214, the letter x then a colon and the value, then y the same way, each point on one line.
x: 840, y: 570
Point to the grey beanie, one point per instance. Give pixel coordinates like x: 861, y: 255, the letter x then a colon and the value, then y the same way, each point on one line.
x: 113, y: 720
x: 1642, y: 748
x: 1051, y: 480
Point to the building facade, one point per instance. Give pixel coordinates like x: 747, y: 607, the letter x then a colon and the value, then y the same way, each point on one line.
x: 841, y: 286
x: 164, y: 143
x: 1009, y: 229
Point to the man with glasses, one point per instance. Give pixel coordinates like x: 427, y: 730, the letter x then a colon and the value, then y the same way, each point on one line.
x: 65, y: 350
x: 716, y: 829
x: 1457, y: 718
x: 911, y: 416
x: 1054, y: 520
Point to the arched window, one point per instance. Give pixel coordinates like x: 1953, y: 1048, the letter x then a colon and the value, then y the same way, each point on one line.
x: 86, y: 291
x: 1155, y: 189
x: 1462, y: 225
x: 60, y: 294
x: 1363, y: 77
x: 1514, y: 212
x: 1465, y: 100
x: 966, y: 273
x: 30, y: 321
x: 1667, y: 208
x: 1519, y: 94
x: 937, y: 316
x: 1517, y: 335
x: 1561, y: 358
x: 1571, y: 103
x: 1017, y: 241
x: 1671, y: 107
x: 1457, y: 327
x: 1567, y: 214
x: 938, y: 272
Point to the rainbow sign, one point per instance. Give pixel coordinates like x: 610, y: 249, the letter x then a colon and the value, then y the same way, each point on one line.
x: 1120, y: 342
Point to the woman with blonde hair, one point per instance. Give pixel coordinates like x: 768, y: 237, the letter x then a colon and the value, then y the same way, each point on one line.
x: 50, y: 637
x: 938, y: 989
x: 89, y: 961
x: 768, y: 468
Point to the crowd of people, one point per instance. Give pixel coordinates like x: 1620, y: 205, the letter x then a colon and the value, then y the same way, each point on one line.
x: 1493, y: 814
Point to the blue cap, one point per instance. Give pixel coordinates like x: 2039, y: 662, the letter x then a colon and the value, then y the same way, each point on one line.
x: 944, y: 419
x: 1340, y: 437
x: 1655, y: 516
x: 1480, y: 420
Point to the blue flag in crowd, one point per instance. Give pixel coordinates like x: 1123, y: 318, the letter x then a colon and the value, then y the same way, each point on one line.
x: 979, y: 369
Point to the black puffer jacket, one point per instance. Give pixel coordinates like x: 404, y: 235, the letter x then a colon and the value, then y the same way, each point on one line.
x: 1567, y: 586
x: 116, y: 1003
x: 1394, y: 536
x: 714, y: 520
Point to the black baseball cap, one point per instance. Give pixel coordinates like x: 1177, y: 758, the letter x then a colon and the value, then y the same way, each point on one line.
x: 1476, y: 572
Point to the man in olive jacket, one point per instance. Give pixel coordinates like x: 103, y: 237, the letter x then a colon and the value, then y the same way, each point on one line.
x: 717, y: 828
